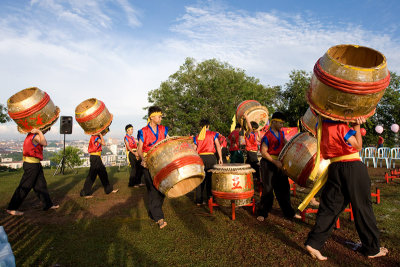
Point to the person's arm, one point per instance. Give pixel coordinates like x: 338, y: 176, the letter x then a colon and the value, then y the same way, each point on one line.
x: 140, y: 152
x: 267, y: 156
x: 102, y: 142
x: 356, y: 140
x: 39, y: 138
x: 218, y: 146
x: 248, y: 124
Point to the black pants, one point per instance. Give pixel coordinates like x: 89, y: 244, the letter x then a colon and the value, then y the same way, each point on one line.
x: 96, y: 168
x: 252, y: 159
x: 274, y: 180
x: 33, y: 178
x: 347, y: 182
x: 136, y: 170
x: 209, y: 162
x: 155, y: 197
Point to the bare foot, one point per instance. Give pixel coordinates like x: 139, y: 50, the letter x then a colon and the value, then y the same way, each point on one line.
x: 15, y: 212
x: 54, y: 207
x: 297, y: 216
x: 162, y: 223
x: 115, y: 191
x: 88, y: 196
x: 315, y: 253
x: 260, y: 218
x: 383, y: 252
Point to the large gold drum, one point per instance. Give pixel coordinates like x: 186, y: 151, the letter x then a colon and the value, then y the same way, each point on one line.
x: 348, y: 82
x: 309, y: 121
x: 93, y: 116
x: 232, y: 182
x: 254, y: 111
x: 32, y: 108
x: 175, y: 166
x: 298, y: 159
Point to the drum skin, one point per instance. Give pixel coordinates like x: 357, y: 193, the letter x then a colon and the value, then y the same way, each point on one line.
x: 254, y: 111
x: 351, y: 64
x: 175, y: 166
x: 232, y: 182
x: 298, y: 159
x: 93, y: 116
x: 32, y: 108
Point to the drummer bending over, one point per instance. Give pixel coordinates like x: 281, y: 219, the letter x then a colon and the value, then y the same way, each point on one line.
x: 33, y: 176
x: 148, y: 136
x: 205, y: 141
x: 96, y: 168
x: 348, y: 181
x: 252, y: 138
x: 273, y: 178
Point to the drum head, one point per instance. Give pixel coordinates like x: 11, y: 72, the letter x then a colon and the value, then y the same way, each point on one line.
x: 232, y: 168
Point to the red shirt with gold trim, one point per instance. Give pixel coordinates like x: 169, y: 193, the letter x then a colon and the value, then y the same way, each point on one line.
x: 206, y: 145
x: 29, y: 149
x: 274, y: 142
x: 94, y: 144
x: 150, y: 138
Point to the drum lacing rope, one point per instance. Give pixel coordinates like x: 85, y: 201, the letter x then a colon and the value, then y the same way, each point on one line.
x: 233, y: 196
x: 360, y: 88
x: 35, y: 108
x: 93, y: 115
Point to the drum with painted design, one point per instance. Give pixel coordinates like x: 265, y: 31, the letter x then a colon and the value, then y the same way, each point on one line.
x: 32, y: 108
x: 232, y: 182
x: 175, y: 166
x: 254, y: 111
x: 309, y: 120
x: 298, y: 159
x: 93, y: 116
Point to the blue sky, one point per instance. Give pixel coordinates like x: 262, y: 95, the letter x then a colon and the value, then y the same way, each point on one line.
x: 118, y: 50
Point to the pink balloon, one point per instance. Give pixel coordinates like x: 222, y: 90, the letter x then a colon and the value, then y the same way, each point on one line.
x: 379, y: 129
x: 363, y: 131
x: 394, y: 128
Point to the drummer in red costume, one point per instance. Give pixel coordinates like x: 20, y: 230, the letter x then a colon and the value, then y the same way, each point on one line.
x: 206, y: 142
x: 272, y: 176
x: 33, y: 176
x: 348, y: 182
x: 224, y: 148
x: 148, y: 136
x: 234, y: 148
x: 252, y: 138
x: 133, y: 157
x: 96, y: 168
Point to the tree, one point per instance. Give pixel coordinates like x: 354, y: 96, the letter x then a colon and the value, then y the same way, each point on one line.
x: 210, y: 89
x: 292, y: 100
x: 3, y: 114
x: 71, y: 156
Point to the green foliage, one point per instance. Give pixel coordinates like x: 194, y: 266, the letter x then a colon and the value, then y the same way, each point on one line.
x: 3, y: 114
x: 71, y: 156
x: 292, y: 100
x: 210, y: 89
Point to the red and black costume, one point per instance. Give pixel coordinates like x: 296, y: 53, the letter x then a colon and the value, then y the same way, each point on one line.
x: 96, y: 168
x: 251, y: 151
x: 136, y: 170
x: 206, y: 150
x: 273, y: 179
x: 234, y: 148
x: 155, y: 197
x: 33, y: 177
x: 348, y: 182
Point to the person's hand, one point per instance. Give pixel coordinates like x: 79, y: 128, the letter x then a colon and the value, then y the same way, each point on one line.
x: 220, y: 161
x: 277, y: 163
x: 35, y: 131
x: 360, y: 120
x: 100, y: 135
x: 144, y: 163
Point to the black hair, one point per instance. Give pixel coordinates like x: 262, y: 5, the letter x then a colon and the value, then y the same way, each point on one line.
x: 254, y: 125
x: 204, y: 122
x: 238, y: 126
x: 127, y: 127
x: 153, y: 109
x: 278, y: 115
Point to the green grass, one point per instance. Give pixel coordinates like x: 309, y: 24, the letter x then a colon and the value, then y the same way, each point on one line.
x: 114, y: 230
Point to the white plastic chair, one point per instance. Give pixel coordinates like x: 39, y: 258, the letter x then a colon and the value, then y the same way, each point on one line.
x: 383, y: 155
x: 369, y: 153
x: 362, y: 154
x: 394, y: 155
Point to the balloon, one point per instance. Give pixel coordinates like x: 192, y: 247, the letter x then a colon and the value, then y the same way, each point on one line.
x: 394, y: 128
x: 379, y: 129
x: 363, y: 131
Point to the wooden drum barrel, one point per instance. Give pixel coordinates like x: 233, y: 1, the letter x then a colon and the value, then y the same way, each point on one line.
x: 348, y: 82
x: 309, y: 121
x: 175, y: 166
x: 32, y: 108
x: 254, y: 111
x: 232, y: 182
x: 93, y: 116
x: 298, y: 159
